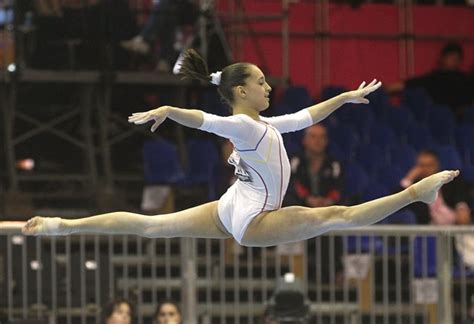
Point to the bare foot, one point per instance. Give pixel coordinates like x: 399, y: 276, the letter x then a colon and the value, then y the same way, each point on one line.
x: 426, y: 190
x: 42, y: 226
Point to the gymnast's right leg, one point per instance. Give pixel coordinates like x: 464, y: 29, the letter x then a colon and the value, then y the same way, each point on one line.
x: 200, y: 221
x: 296, y: 223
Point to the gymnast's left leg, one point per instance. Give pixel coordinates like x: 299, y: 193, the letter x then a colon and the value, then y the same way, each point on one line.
x: 291, y: 224
x: 200, y: 221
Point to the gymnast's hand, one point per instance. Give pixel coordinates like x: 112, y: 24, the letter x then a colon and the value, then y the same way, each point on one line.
x: 358, y: 96
x: 158, y: 115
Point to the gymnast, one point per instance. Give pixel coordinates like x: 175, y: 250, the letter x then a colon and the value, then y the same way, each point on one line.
x: 250, y: 211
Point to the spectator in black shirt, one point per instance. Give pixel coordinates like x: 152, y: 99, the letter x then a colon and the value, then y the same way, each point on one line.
x: 316, y: 176
x: 447, y: 84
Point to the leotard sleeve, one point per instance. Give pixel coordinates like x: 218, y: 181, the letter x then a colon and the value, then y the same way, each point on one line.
x: 240, y: 129
x: 290, y: 122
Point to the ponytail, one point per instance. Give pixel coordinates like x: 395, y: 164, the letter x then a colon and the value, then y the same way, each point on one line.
x: 194, y: 67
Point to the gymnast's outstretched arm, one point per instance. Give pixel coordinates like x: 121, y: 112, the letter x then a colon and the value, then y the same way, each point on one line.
x: 314, y: 114
x: 192, y: 118
x: 324, y: 109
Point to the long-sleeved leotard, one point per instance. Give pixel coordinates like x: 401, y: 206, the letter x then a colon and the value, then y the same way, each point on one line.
x: 261, y: 164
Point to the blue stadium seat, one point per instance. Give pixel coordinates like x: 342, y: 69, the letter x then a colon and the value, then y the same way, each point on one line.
x: 292, y: 145
x: 331, y: 91
x: 403, y: 156
x: 465, y: 143
x: 382, y: 135
x: 161, y: 162
x: 341, y: 155
x: 362, y: 120
x: 283, y: 109
x: 203, y: 163
x: 467, y: 154
x: 211, y: 102
x: 419, y: 136
x: 344, y: 115
x: 424, y: 256
x: 467, y: 174
x: 297, y: 97
x: 460, y: 273
x: 441, y: 123
x: 356, y: 180
x: 390, y: 177
x: 403, y: 217
x: 464, y: 135
x: 364, y: 244
x: 399, y: 118
x: 468, y: 116
x: 344, y: 136
x: 418, y: 101
x: 448, y: 156
x: 379, y: 104
x: 375, y: 190
x: 372, y: 158
x: 203, y: 158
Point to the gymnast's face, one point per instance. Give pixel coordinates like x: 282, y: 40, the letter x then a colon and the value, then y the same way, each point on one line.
x: 121, y: 315
x: 256, y: 91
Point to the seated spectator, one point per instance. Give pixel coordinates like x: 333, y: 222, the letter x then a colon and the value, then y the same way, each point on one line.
x: 451, y: 205
x: 167, y: 312
x: 118, y: 311
x: 316, y: 179
x: 447, y: 84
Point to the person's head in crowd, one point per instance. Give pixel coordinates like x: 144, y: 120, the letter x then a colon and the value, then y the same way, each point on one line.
x: 315, y: 140
x: 451, y: 57
x: 118, y: 311
x: 167, y: 312
x: 427, y: 163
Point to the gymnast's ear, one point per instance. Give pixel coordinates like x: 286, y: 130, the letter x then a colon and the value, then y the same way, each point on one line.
x: 241, y: 91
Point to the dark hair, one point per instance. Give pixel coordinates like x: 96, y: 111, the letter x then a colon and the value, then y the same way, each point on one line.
x: 110, y: 307
x: 164, y: 302
x: 194, y: 67
x: 429, y: 152
x: 452, y: 48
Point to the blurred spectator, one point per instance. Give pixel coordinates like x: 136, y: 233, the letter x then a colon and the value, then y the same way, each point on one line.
x: 166, y: 17
x: 447, y: 84
x: 167, y: 312
x: 317, y: 178
x: 451, y: 205
x: 118, y: 311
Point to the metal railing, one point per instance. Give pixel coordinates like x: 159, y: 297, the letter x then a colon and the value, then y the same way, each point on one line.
x: 378, y: 274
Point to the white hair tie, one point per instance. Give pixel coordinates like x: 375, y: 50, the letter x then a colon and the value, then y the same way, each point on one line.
x: 216, y: 78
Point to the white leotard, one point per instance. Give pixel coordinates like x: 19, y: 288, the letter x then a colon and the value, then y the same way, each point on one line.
x: 261, y: 164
